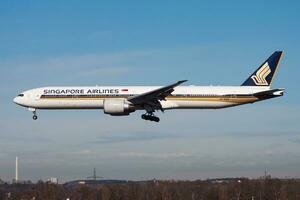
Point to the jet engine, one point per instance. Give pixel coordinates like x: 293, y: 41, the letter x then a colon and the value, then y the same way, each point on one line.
x: 116, y: 107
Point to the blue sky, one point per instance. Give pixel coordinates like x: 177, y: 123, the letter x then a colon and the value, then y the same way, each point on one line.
x: 148, y: 43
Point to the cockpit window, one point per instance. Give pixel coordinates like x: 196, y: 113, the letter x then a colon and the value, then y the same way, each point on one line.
x: 21, y: 95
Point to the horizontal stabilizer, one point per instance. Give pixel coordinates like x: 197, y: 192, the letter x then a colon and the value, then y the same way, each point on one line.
x: 270, y: 93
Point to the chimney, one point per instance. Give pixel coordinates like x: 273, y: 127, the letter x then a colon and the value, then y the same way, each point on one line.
x: 17, y: 171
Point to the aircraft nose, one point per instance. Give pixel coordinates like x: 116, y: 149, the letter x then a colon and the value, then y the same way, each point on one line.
x: 17, y: 100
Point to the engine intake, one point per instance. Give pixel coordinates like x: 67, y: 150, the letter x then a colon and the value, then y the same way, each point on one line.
x: 116, y: 107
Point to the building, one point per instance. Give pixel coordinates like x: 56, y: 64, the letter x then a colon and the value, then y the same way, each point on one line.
x: 52, y: 180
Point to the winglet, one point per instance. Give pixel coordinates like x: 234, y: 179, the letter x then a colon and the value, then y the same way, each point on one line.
x: 264, y: 75
x: 178, y: 83
x: 182, y: 81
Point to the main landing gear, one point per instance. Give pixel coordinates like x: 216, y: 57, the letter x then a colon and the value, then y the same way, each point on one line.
x: 150, y: 117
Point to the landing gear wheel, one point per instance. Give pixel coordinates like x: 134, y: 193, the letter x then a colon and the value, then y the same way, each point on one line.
x: 34, y: 117
x: 150, y: 117
x: 156, y: 119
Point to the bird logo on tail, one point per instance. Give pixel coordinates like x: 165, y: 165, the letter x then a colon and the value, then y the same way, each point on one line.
x: 260, y: 77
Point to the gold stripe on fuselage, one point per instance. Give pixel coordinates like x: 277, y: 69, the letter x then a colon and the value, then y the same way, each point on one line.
x: 231, y: 99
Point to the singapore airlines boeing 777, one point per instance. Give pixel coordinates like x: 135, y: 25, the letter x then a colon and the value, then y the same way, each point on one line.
x: 123, y: 100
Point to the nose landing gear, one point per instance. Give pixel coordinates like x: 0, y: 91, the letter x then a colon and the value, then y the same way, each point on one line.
x: 150, y: 117
x: 33, y: 110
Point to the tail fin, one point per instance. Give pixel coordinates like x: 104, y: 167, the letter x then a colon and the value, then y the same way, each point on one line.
x: 264, y: 75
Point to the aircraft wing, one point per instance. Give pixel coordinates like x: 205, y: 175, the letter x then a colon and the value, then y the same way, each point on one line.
x: 153, y: 96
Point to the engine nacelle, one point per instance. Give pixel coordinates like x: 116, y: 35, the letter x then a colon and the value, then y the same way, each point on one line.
x: 116, y: 107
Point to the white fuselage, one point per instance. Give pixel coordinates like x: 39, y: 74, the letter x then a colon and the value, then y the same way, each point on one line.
x: 183, y: 97
x: 123, y: 100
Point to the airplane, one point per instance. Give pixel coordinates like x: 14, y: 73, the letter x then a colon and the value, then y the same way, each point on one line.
x: 123, y: 100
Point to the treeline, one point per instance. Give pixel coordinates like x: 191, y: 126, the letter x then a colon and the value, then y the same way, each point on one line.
x: 259, y: 189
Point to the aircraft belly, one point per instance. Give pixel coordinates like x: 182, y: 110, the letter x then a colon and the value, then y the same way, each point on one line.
x: 202, y: 104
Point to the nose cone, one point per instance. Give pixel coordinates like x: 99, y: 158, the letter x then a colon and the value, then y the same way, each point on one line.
x: 16, y: 100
